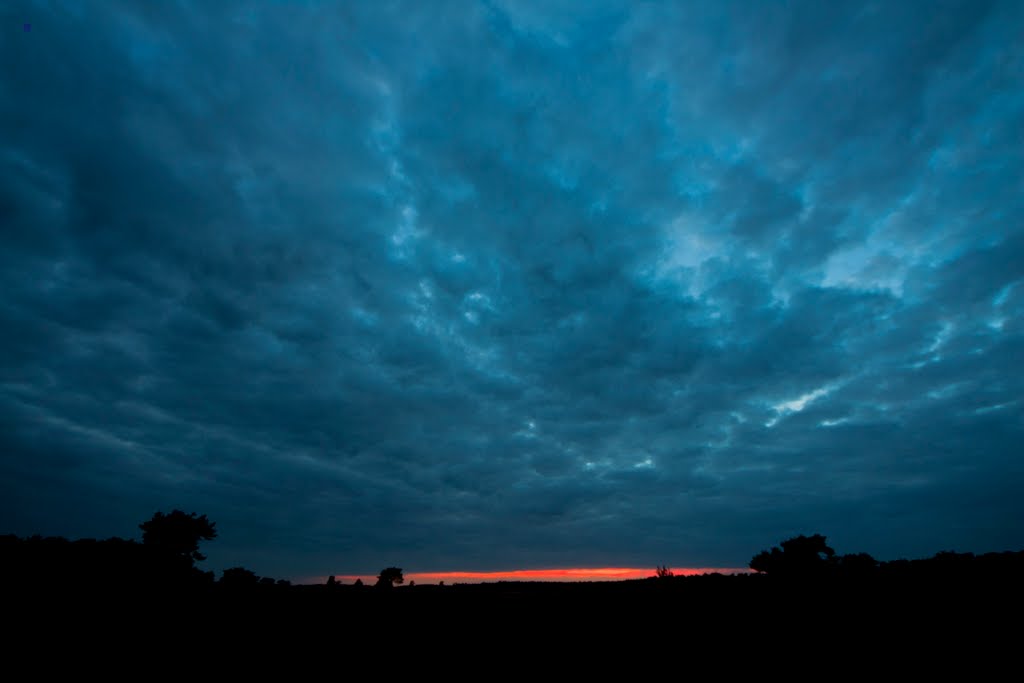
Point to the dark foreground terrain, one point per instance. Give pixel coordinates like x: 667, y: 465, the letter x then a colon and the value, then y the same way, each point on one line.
x: 126, y: 597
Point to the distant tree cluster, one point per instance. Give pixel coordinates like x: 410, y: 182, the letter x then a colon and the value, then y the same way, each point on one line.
x: 166, y: 557
x: 242, y: 578
x: 800, y: 556
x: 811, y: 558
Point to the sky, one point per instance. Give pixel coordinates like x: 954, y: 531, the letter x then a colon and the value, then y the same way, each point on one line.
x: 496, y: 286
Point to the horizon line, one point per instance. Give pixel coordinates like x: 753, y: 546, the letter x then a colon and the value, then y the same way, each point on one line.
x: 560, y: 574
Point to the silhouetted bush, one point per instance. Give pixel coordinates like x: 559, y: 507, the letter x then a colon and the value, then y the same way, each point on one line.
x: 239, y: 577
x: 389, y: 577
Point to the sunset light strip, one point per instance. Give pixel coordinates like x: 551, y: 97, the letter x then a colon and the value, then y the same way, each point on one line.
x: 586, y: 574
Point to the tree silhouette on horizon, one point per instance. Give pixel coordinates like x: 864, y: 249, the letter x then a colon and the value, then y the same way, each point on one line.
x: 389, y: 577
x: 798, y: 556
x: 177, y: 534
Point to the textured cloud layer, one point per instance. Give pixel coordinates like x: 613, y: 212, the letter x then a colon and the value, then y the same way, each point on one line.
x: 503, y: 285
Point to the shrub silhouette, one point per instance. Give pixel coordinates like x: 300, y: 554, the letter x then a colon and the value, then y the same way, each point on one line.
x: 239, y: 577
x: 389, y: 577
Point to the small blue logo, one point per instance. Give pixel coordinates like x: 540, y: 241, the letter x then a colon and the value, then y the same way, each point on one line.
x: 28, y: 27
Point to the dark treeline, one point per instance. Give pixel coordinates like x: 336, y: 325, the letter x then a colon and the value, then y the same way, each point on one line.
x: 809, y: 558
x: 57, y: 563
x: 802, y: 584
x: 166, y: 558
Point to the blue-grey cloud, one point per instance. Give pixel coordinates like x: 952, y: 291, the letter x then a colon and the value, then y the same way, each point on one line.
x: 508, y: 284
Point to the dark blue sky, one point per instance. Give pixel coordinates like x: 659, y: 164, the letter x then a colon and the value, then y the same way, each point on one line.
x: 514, y: 285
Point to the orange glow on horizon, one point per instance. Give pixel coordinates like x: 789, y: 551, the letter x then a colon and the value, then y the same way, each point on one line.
x: 584, y: 574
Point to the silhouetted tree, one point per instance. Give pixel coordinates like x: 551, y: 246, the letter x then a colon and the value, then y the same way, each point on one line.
x: 177, y: 535
x: 331, y: 581
x: 663, y: 572
x: 359, y: 582
x: 391, y: 576
x: 799, y: 556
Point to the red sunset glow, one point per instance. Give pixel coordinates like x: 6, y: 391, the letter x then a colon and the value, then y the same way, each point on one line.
x: 587, y: 574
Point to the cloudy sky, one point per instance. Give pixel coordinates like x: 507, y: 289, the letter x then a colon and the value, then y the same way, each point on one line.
x: 511, y: 285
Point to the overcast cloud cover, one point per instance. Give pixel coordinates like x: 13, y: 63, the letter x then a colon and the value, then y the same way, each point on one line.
x: 510, y: 285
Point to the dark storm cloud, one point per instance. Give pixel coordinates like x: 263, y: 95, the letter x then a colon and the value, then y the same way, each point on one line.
x: 479, y: 286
